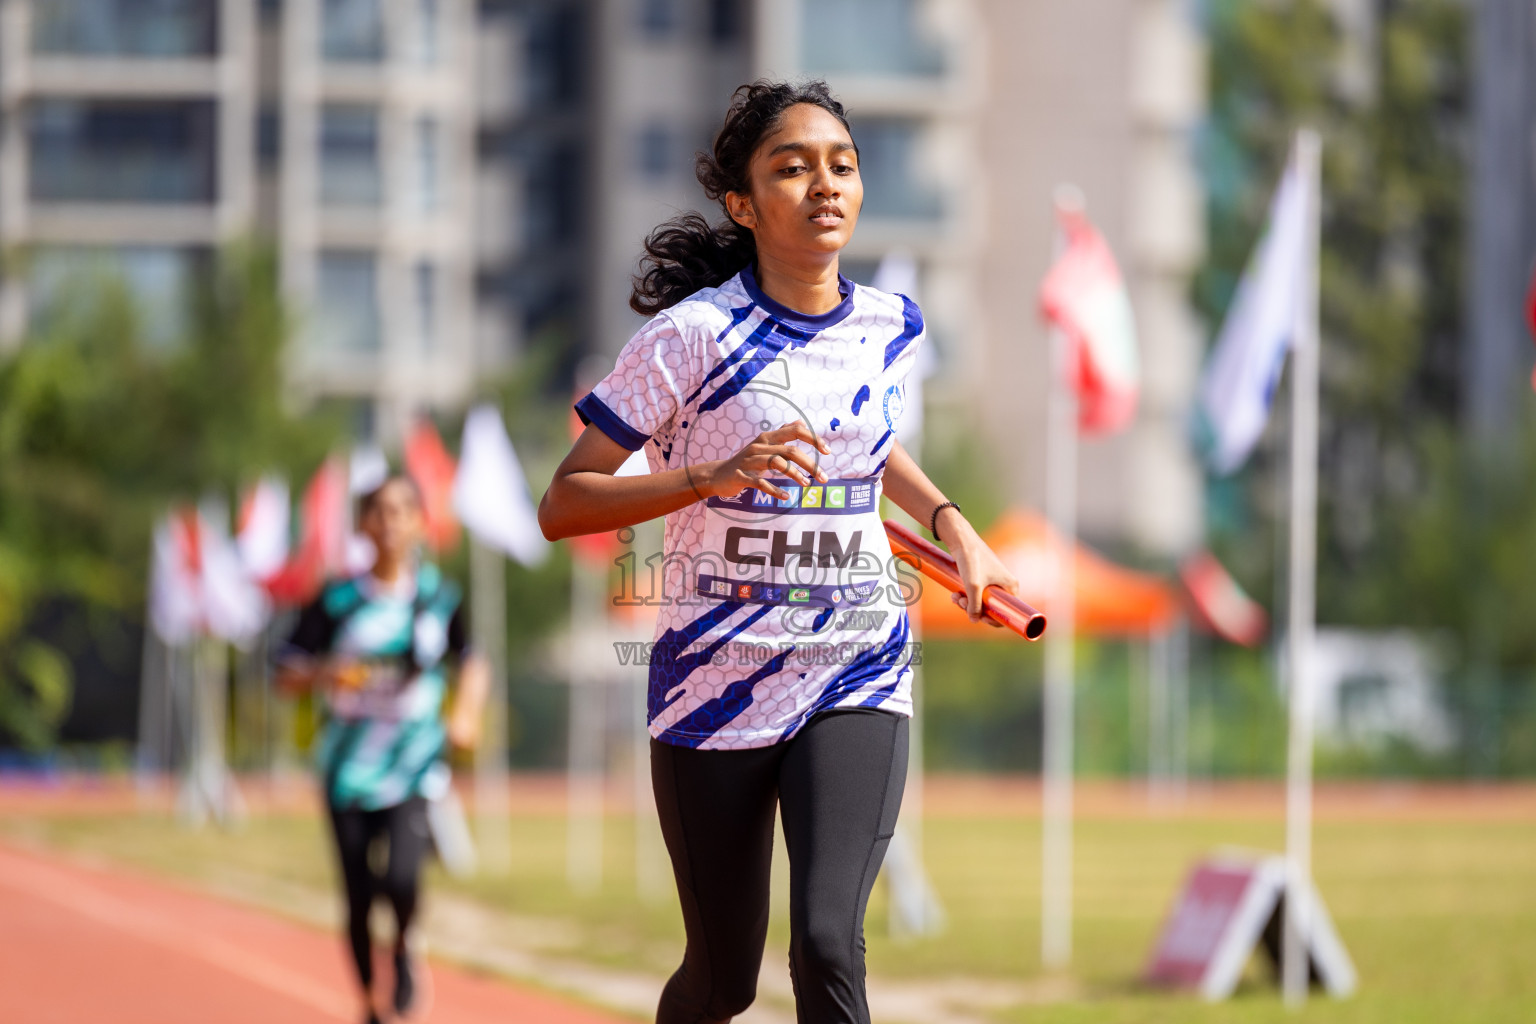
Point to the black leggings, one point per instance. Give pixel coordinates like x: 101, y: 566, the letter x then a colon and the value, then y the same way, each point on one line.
x: 404, y: 826
x: 838, y: 784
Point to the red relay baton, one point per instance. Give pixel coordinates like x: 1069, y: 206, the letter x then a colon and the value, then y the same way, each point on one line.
x: 938, y: 565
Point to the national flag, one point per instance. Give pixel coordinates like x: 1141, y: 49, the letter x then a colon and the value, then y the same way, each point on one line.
x: 261, y: 534
x: 433, y: 469
x: 1245, y: 364
x: 198, y: 583
x: 1084, y: 296
x: 491, y: 493
x: 175, y: 579
x: 235, y: 608
x: 323, y: 533
x: 1220, y: 602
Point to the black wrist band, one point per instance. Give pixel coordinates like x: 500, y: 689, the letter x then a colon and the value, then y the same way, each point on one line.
x: 933, y: 520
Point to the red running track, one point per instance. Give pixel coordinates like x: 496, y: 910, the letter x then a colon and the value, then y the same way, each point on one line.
x: 80, y: 945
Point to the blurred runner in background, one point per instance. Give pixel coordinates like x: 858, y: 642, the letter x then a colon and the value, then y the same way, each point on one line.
x: 378, y: 645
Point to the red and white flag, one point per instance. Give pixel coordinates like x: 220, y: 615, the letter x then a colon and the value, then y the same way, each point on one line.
x: 1220, y: 604
x: 235, y: 608
x: 175, y: 578
x: 198, y: 583
x: 322, y: 540
x: 1084, y: 295
x: 261, y: 535
x: 433, y: 469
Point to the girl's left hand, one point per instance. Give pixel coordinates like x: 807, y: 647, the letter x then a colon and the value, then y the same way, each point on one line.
x: 464, y: 727
x: 979, y: 566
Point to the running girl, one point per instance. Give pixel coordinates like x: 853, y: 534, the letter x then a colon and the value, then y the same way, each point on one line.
x: 378, y: 646
x: 766, y: 392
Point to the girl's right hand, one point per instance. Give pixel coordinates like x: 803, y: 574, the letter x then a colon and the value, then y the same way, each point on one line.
x: 344, y: 673
x: 771, y: 453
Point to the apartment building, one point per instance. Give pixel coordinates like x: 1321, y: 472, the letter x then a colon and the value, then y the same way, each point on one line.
x: 969, y: 114
x: 140, y: 137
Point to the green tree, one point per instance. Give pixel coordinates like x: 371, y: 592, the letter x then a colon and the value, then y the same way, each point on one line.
x: 1418, y: 527
x: 100, y: 432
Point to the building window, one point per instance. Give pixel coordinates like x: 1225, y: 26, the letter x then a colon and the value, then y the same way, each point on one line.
x: 868, y: 37
x: 726, y: 21
x: 653, y: 152
x: 350, y: 173
x: 126, y: 28
x: 347, y: 302
x: 428, y: 32
x: 352, y: 30
x: 429, y: 174
x: 554, y: 56
x: 269, y: 136
x: 158, y: 279
x: 553, y: 212
x: 426, y: 305
x: 657, y: 17
x: 110, y: 152
x: 888, y: 163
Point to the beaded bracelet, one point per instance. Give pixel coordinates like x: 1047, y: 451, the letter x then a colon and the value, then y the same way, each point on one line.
x: 933, y: 520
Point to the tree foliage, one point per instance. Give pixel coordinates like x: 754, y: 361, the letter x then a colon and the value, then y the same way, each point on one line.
x: 100, y: 432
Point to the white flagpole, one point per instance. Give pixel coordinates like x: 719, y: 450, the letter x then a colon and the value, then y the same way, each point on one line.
x: 488, y: 596
x: 1056, y: 766
x: 1303, y: 579
x: 584, y: 738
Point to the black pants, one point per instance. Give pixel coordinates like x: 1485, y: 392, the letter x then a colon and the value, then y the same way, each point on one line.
x: 838, y: 784
x: 404, y: 829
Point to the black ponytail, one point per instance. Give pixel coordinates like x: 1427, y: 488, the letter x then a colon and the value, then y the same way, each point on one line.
x: 687, y: 253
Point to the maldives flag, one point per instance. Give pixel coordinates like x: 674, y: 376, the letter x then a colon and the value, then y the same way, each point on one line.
x: 1220, y: 603
x: 1085, y: 297
x: 433, y: 469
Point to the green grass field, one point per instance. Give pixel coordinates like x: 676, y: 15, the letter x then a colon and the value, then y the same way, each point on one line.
x: 1439, y: 915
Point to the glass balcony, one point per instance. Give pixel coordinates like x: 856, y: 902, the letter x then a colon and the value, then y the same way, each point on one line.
x: 347, y: 316
x: 350, y: 172
x: 866, y: 37
x: 352, y: 31
x: 888, y: 163
x: 128, y: 152
x: 125, y: 28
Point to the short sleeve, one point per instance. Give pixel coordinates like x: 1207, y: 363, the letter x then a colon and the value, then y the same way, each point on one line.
x: 645, y: 389
x: 315, y: 631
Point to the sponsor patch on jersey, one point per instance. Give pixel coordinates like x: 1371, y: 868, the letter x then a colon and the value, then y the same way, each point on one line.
x: 895, y: 402
x: 839, y: 496
x: 744, y: 592
x: 721, y: 588
x: 799, y: 595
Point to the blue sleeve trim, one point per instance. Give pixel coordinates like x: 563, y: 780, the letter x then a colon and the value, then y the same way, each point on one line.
x: 594, y: 412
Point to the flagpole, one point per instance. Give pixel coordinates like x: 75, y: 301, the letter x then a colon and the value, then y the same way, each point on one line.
x: 1056, y: 752
x: 1303, y: 578
x: 488, y: 593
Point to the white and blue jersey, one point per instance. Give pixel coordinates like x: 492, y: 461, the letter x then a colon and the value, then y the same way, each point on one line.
x: 772, y: 610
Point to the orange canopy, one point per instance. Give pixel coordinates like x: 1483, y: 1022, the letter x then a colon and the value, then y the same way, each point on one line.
x: 1110, y: 599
